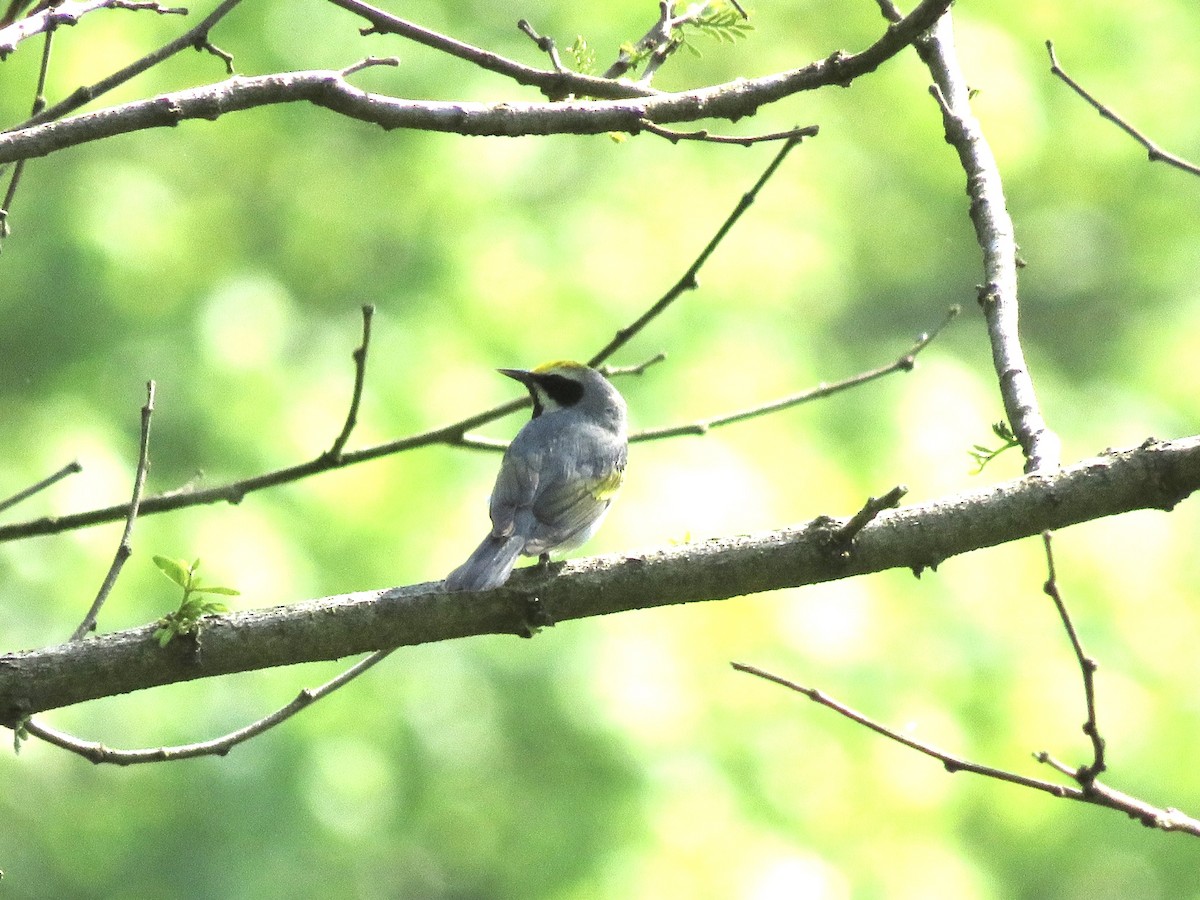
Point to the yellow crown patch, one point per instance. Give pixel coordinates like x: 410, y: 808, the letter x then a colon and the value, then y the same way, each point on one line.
x: 558, y: 364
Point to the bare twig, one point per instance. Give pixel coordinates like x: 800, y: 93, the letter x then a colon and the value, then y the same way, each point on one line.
x: 39, y: 103
x: 360, y: 374
x: 234, y: 492
x: 688, y: 281
x: 196, y: 37
x: 66, y: 13
x: 994, y: 232
x: 704, y: 135
x: 370, y: 62
x: 904, y: 363
x: 636, y: 369
x: 124, y: 548
x: 328, y: 89
x: 544, y: 42
x: 1085, y: 775
x: 455, y: 435
x: 1097, y: 794
x: 952, y: 763
x: 555, y: 85
x: 1155, y: 152
x: 870, y: 511
x: 99, y: 753
x: 69, y: 469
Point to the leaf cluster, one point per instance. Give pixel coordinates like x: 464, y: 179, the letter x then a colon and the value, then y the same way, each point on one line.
x: 722, y: 23
x: 583, y: 57
x: 984, y: 455
x: 721, y: 20
x: 195, y: 603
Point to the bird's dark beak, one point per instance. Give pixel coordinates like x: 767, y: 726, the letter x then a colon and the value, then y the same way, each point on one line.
x: 521, y: 375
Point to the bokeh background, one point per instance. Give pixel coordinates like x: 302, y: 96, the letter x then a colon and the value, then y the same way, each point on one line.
x: 622, y: 757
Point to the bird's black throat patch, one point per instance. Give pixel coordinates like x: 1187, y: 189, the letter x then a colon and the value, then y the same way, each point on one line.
x: 562, y: 390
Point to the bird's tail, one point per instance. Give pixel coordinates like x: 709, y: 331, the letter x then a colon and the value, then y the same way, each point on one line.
x: 489, y: 566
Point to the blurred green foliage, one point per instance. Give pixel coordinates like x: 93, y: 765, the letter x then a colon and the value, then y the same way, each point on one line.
x: 616, y: 758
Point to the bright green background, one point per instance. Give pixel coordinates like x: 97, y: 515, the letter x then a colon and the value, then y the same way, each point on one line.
x: 616, y: 758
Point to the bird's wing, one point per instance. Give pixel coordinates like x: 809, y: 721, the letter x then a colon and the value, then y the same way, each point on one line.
x: 516, y: 487
x: 568, y: 503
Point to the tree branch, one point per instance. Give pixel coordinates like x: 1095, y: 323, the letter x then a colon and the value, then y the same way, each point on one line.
x: 329, y: 89
x: 124, y: 548
x: 687, y: 281
x: 67, y: 13
x: 741, y: 141
x: 98, y: 753
x: 1156, y: 475
x: 994, y: 232
x: 555, y: 85
x: 455, y: 434
x: 1085, y: 775
x: 194, y: 37
x: 904, y: 363
x: 69, y: 469
x: 1102, y: 795
x: 1155, y: 152
x: 360, y: 377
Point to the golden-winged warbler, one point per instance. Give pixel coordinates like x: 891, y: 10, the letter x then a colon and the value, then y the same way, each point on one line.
x: 558, y: 476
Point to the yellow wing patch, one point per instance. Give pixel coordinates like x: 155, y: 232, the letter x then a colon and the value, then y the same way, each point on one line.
x: 607, y: 487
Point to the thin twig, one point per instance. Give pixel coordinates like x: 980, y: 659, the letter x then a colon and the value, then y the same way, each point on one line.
x: 124, y: 548
x: 904, y: 363
x: 99, y: 753
x: 544, y: 42
x: 196, y: 37
x: 554, y: 85
x: 636, y: 369
x: 39, y: 103
x: 1155, y: 152
x: 1097, y: 794
x: 704, y: 135
x: 454, y: 435
x: 952, y: 763
x: 360, y: 375
x: 1085, y: 775
x: 52, y: 15
x: 869, y: 512
x: 994, y: 232
x: 688, y: 281
x: 69, y: 469
x: 369, y: 63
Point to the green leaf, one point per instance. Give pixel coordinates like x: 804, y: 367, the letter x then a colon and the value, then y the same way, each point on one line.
x: 224, y: 591
x: 175, y: 569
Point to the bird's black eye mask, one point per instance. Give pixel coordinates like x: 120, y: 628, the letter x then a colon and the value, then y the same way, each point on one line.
x: 562, y: 390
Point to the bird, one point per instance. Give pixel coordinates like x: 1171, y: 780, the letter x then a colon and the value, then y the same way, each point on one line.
x: 559, y: 475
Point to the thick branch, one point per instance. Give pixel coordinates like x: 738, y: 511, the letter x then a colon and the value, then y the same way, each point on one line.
x: 1156, y: 475
x: 329, y: 89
